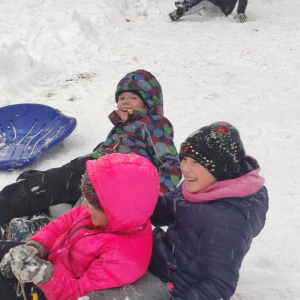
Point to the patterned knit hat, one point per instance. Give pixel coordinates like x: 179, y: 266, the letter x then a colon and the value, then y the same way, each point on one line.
x: 145, y: 85
x: 89, y: 193
x: 218, y: 148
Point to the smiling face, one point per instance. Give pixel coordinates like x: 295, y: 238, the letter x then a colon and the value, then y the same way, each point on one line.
x: 98, y: 217
x: 196, y: 176
x: 127, y: 102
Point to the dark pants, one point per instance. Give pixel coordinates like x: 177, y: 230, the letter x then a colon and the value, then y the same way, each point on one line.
x: 9, y: 287
x: 148, y: 287
x: 35, y: 191
x: 226, y: 6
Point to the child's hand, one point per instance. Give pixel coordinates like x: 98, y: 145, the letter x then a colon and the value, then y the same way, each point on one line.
x: 27, y: 266
x: 129, y: 112
x: 5, y: 267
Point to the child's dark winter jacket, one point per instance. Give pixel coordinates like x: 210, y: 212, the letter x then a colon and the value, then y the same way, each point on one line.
x: 147, y: 133
x: 209, y: 234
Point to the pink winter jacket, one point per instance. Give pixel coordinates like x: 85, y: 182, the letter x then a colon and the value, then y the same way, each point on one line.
x: 88, y: 258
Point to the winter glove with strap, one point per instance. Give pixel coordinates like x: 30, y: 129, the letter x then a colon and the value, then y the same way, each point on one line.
x: 5, y: 265
x: 28, y: 267
x: 41, y: 251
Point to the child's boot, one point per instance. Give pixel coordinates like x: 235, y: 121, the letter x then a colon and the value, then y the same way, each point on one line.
x: 21, y: 229
x: 176, y: 15
x: 182, y: 4
x: 4, y: 232
x: 182, y: 7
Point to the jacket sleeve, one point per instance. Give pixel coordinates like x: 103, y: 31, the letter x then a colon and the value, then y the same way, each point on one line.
x: 50, y: 233
x: 163, y: 214
x: 159, y: 140
x: 242, y: 6
x: 224, y: 246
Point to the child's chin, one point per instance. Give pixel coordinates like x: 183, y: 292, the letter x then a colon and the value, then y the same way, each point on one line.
x: 192, y: 187
x: 124, y: 117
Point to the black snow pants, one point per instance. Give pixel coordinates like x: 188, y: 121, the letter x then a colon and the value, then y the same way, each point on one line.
x: 148, y: 287
x: 9, y: 287
x: 227, y: 6
x: 35, y: 191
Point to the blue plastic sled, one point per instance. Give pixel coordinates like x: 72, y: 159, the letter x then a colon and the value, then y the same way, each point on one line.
x: 28, y: 130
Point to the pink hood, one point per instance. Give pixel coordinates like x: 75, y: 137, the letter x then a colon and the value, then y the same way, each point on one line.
x: 126, y: 186
x: 243, y: 186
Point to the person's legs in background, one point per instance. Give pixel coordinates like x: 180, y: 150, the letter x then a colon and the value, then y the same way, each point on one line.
x: 35, y: 191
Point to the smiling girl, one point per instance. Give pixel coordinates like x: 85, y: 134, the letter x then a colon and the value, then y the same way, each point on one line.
x: 212, y: 217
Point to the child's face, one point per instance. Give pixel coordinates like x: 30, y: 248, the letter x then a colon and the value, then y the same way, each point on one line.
x: 98, y: 217
x: 196, y: 176
x: 127, y: 102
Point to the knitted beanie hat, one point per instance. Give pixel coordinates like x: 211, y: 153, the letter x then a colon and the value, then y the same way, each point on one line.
x: 89, y: 193
x: 218, y: 148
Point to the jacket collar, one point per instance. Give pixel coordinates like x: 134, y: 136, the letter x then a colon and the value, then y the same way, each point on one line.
x: 240, y: 187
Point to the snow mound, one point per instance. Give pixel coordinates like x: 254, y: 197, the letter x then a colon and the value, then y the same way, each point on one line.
x: 18, y: 70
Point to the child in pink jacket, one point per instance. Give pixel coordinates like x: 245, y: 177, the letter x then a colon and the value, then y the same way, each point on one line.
x: 105, y: 243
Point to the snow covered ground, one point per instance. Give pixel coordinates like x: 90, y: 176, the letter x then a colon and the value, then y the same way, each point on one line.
x: 71, y: 54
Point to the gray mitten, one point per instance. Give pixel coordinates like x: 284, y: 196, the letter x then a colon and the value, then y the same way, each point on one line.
x: 28, y: 267
x: 5, y: 265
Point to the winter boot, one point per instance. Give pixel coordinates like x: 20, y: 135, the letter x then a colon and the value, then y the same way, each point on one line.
x: 176, y: 15
x: 182, y: 7
x: 21, y: 229
x: 182, y: 4
x: 4, y: 236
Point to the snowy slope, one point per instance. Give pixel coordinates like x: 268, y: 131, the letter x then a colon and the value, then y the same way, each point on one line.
x: 71, y: 54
